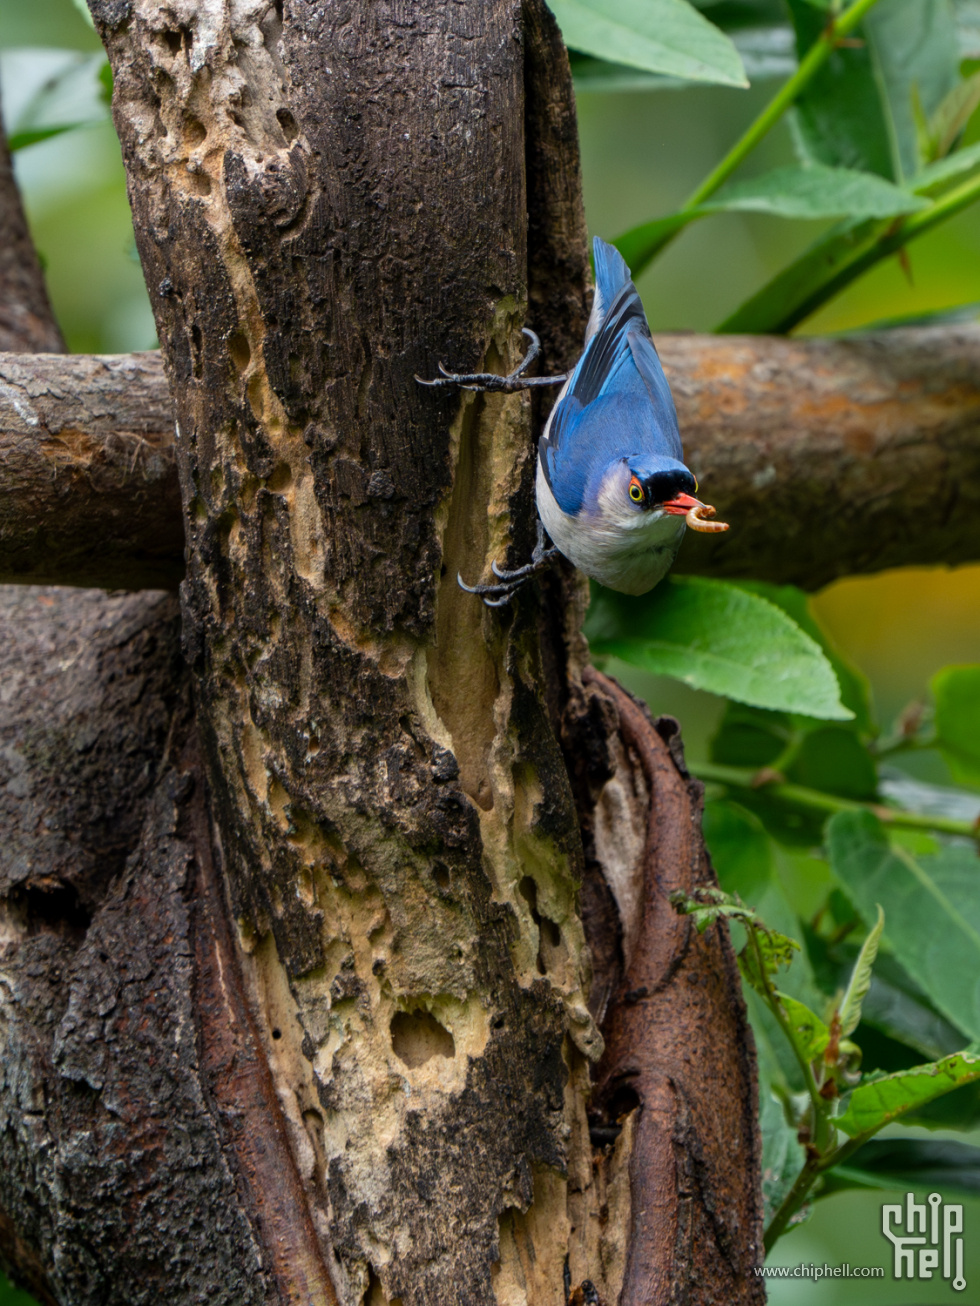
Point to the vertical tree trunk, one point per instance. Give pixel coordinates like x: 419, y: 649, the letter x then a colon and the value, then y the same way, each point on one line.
x: 89, y: 687
x: 328, y: 1035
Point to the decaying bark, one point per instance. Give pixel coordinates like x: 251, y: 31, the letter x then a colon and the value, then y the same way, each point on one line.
x: 310, y: 1019
x: 828, y: 457
x: 91, y: 684
x: 140, y: 1132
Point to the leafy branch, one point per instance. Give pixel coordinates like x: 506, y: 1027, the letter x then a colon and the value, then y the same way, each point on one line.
x: 641, y: 245
x: 878, y: 108
x: 824, y: 1052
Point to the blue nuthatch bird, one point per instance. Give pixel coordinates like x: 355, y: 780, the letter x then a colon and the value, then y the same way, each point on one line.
x: 612, y: 489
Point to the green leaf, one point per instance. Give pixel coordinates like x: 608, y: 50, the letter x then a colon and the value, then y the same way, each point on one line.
x: 816, y: 191
x: 858, y: 111
x: 807, y: 283
x: 913, y: 47
x: 839, y: 119
x: 775, y: 950
x: 783, y: 1155
x: 894, y: 1005
x: 658, y: 36
x: 899, y: 1163
x: 743, y: 855
x: 68, y: 93
x: 706, y: 906
x: 21, y: 140
x: 931, y: 907
x: 860, y: 982
x: 813, y: 191
x: 718, y: 637
x: 878, y: 1102
x: 897, y: 1007
x: 948, y: 122
x: 956, y: 691
x: 851, y: 247
x: 855, y: 689
x: 751, y: 736
x: 810, y: 1034
x: 833, y: 759
x: 104, y: 74
x: 599, y: 75
x: 639, y: 244
x: 939, y: 176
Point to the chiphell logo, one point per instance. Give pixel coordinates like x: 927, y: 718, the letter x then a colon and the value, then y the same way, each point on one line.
x: 920, y: 1235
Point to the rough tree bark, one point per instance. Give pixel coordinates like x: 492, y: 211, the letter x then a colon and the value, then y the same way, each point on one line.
x: 82, y: 441
x: 325, y: 1028
x: 89, y: 688
x: 829, y: 458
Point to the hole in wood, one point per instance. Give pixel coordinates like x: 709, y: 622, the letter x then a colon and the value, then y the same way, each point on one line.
x: 289, y: 125
x: 238, y: 347
x: 194, y: 131
x: 281, y: 478
x: 549, y: 935
x: 416, y: 1037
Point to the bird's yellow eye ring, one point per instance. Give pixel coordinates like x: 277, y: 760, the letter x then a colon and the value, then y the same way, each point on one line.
x: 636, y: 491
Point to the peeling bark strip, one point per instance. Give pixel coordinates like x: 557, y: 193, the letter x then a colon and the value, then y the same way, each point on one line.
x: 90, y: 493
x: 328, y: 198
x: 820, y: 452
x: 679, y: 1064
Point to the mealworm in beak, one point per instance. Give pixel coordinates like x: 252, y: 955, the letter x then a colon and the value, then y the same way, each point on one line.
x: 696, y: 519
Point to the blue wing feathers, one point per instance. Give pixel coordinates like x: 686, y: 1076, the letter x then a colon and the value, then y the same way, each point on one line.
x: 617, y: 402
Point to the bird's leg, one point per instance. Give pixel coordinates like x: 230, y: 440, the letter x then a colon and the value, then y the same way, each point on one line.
x: 515, y: 380
x: 509, y: 582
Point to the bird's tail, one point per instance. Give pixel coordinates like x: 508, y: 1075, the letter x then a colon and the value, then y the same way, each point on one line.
x: 611, y: 274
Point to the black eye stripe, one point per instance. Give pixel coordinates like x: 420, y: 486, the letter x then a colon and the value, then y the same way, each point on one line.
x: 666, y: 485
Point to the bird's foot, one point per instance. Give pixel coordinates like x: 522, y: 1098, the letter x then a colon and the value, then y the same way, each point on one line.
x: 515, y: 380
x: 509, y: 582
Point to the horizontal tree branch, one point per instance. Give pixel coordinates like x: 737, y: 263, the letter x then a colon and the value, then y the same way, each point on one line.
x: 829, y: 457
x: 89, y: 483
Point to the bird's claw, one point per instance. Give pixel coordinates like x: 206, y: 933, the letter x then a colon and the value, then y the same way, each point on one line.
x: 489, y: 381
x: 509, y: 582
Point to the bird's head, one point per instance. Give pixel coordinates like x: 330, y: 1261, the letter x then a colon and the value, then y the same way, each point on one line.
x: 652, y: 483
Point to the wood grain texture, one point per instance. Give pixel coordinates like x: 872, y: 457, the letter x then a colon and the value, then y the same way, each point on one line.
x: 828, y: 457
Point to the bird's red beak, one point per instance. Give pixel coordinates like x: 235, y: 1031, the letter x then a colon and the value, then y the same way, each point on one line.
x: 681, y: 505
x: 694, y: 512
